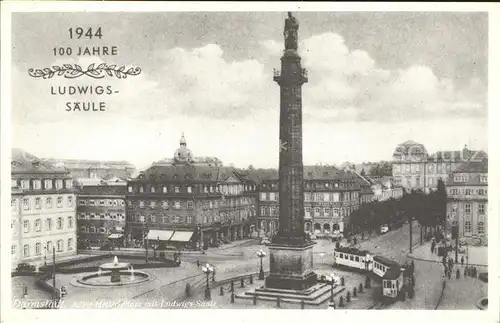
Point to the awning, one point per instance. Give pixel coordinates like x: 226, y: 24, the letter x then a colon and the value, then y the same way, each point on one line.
x: 182, y: 236
x: 115, y: 236
x: 163, y: 235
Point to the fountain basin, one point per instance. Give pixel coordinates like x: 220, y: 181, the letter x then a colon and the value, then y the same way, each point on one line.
x: 103, y: 279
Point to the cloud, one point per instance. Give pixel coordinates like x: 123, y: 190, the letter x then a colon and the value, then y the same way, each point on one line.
x: 347, y: 85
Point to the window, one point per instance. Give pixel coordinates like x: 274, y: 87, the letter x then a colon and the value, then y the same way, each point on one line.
x: 59, y: 201
x: 130, y: 189
x: 141, y: 189
x: 190, y: 204
x: 262, y: 196
x: 316, y: 211
x: 37, y: 184
x: 91, y: 202
x: 38, y: 225
x: 341, y: 256
x: 480, y: 192
x: 102, y: 203
x: 481, y: 208
x: 177, y: 219
x: 38, y: 203
x: 177, y: 204
x: 69, y: 183
x: 59, y: 184
x: 47, y: 184
x: 189, y: 189
x: 25, y: 184
x: 26, y: 250
x: 141, y: 204
x: 13, y: 204
x: 467, y: 192
x: 484, y: 179
x: 26, y: 204
x: 164, y: 204
x: 59, y: 245
x: 153, y: 189
x: 467, y: 226
x: 164, y: 189
x: 59, y: 223
x: 70, y: 201
x: 356, y: 259
x: 467, y: 208
x: 190, y: 219
x: 351, y: 257
x: 272, y: 196
x: 152, y: 204
x: 38, y: 248
x: 70, y: 222
x: 70, y: 244
x: 49, y: 246
x: 48, y: 223
x: 176, y: 189
x: 13, y: 250
x: 26, y: 226
x: 82, y: 202
x: 308, y: 212
x: 336, y: 197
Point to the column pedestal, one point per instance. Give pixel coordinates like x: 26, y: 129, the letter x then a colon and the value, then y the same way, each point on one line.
x: 291, y: 267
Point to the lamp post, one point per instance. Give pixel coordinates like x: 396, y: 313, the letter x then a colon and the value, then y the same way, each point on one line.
x: 207, y: 269
x: 45, y: 256
x: 332, y: 280
x: 261, y: 255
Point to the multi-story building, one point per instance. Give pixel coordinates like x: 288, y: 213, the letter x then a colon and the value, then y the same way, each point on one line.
x: 383, y: 189
x: 189, y: 203
x: 414, y: 168
x: 81, y: 168
x: 330, y: 196
x: 101, y: 216
x: 43, y: 207
x: 467, y: 205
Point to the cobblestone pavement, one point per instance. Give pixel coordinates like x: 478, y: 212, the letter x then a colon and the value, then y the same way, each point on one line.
x: 477, y: 255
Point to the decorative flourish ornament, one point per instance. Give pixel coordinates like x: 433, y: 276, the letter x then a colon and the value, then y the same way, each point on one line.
x: 72, y: 71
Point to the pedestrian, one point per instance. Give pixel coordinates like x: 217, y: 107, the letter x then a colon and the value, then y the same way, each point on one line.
x: 474, y: 271
x: 198, y: 263
x: 466, y: 271
x: 462, y: 260
x: 449, y: 274
x: 458, y: 273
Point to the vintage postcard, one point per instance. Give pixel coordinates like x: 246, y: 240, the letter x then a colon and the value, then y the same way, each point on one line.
x: 245, y: 156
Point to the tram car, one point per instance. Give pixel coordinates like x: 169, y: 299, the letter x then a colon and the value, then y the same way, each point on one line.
x: 391, y: 274
x: 388, y: 271
x: 353, y: 258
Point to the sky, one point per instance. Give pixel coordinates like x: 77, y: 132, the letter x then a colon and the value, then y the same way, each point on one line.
x: 375, y: 80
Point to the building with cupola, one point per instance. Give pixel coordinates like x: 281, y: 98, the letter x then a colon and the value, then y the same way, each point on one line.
x: 43, y: 204
x: 414, y: 168
x: 189, y: 202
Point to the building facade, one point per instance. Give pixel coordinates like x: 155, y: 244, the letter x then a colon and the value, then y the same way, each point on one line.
x: 414, y: 168
x: 101, y: 217
x: 330, y: 196
x: 43, y: 205
x: 189, y: 204
x: 467, y: 205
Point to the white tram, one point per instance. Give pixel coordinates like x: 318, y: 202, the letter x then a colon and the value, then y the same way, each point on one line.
x: 389, y: 271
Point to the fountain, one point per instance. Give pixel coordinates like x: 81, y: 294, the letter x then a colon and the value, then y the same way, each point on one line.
x: 115, y: 268
x: 121, y: 274
x: 131, y: 272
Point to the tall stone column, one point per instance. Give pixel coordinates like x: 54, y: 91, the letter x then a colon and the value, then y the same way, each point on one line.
x: 291, y: 254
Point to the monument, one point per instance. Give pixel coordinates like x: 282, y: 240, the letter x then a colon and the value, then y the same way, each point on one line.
x: 291, y: 252
x: 291, y: 277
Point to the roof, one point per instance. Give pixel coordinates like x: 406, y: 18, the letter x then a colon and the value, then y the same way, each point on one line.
x: 473, y: 167
x: 352, y: 251
x: 103, y: 190
x: 198, y: 173
x: 385, y: 261
x: 24, y: 162
x: 458, y: 155
x: 392, y: 273
x: 259, y: 175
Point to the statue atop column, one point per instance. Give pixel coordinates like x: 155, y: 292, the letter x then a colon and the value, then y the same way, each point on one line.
x: 290, y: 32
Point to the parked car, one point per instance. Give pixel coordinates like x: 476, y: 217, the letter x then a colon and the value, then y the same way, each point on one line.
x: 265, y: 241
x: 25, y: 267
x: 384, y: 229
x: 106, y: 247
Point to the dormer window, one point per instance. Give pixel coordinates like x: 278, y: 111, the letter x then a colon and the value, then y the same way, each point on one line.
x: 164, y: 189
x: 141, y: 189
x: 130, y: 189
x: 189, y: 189
x: 153, y: 190
x: 176, y: 189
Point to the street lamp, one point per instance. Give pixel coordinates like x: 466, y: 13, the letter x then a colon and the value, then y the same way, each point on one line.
x: 261, y: 255
x: 207, y: 269
x: 332, y: 279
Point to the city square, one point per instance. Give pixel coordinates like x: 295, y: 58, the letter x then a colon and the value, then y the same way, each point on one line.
x: 401, y: 225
